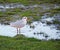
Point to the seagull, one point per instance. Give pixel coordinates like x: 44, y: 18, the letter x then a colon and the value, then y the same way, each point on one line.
x: 19, y: 24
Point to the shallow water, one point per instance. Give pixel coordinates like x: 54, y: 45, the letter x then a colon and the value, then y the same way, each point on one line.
x: 39, y: 31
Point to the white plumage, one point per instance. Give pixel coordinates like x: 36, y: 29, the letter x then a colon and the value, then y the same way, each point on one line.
x: 19, y: 24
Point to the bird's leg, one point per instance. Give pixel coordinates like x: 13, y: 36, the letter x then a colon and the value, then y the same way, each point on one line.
x: 17, y: 31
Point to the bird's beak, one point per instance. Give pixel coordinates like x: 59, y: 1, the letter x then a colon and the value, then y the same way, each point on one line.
x: 28, y: 19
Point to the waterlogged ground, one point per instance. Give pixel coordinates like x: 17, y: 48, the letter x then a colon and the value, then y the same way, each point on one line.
x: 37, y: 29
x: 44, y: 19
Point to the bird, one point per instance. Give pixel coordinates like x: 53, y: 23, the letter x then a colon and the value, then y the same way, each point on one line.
x: 19, y: 24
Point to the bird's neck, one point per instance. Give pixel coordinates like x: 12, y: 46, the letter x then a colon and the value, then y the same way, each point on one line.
x: 25, y: 21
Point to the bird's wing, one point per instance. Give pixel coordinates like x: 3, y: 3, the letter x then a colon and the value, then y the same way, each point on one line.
x: 19, y: 22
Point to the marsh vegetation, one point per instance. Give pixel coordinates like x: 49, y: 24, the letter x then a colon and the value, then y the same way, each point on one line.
x: 42, y: 30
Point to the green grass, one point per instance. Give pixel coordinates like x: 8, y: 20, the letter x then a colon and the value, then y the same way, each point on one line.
x: 21, y: 42
x: 36, y: 13
x: 29, y: 13
x: 54, y: 11
x: 56, y: 22
x: 28, y: 2
x: 25, y: 2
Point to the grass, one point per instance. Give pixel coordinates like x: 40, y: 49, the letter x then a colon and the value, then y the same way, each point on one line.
x: 21, y: 42
x: 34, y: 14
x: 56, y: 10
x: 56, y: 22
x: 25, y: 2
x: 28, y: 2
x: 29, y: 13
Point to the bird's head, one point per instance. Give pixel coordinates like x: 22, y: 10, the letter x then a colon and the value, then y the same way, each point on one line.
x: 25, y: 18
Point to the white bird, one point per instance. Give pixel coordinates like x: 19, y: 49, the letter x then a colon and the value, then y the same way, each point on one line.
x: 19, y: 24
